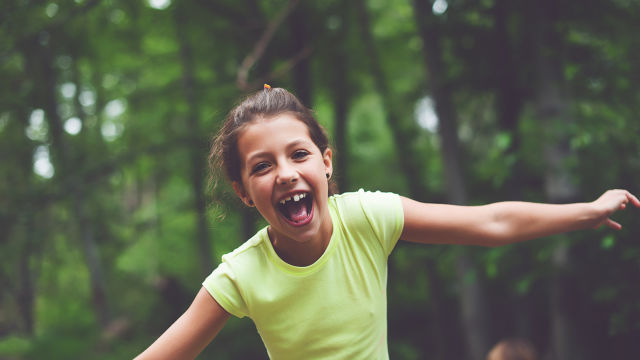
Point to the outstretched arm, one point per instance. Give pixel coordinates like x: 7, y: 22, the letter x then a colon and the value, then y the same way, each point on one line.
x: 507, y: 222
x: 191, y: 333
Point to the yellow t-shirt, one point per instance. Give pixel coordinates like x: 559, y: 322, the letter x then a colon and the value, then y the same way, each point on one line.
x: 335, y: 308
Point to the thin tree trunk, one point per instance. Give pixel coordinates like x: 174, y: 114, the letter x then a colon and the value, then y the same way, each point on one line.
x: 92, y: 256
x: 26, y: 296
x: 26, y: 275
x: 300, y: 37
x: 509, y: 96
x: 341, y: 99
x: 439, y: 328
x: 18, y: 224
x: 249, y: 217
x: 473, y: 306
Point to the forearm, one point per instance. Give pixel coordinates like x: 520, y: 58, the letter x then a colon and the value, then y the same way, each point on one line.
x: 520, y: 221
x: 191, y: 333
x: 173, y: 344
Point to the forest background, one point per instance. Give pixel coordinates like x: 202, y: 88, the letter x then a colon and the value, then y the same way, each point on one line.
x: 108, y: 223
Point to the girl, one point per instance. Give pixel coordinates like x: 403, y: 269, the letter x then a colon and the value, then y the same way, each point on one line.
x: 314, y: 280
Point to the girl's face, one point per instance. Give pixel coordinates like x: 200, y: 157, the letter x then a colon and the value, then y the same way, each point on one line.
x: 284, y: 175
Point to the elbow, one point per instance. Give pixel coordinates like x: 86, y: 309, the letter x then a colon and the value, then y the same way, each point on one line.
x: 497, y: 234
x: 499, y: 228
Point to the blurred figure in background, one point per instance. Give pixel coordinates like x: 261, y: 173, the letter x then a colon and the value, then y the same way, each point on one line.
x: 513, y: 349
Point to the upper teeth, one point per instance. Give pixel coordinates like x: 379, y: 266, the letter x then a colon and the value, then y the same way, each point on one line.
x: 296, y: 198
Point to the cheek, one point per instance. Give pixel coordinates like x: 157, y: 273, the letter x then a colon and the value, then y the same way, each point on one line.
x: 261, y: 187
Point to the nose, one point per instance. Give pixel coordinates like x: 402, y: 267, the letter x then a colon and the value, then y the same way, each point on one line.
x: 286, y: 173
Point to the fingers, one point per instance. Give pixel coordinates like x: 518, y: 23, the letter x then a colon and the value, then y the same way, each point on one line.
x: 623, y: 197
x: 617, y: 200
x: 633, y: 199
x: 612, y: 224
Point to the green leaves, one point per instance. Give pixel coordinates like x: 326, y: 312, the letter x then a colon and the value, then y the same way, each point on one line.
x: 608, y: 242
x: 129, y: 177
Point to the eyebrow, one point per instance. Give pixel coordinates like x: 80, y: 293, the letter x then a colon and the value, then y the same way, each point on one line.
x: 290, y: 145
x: 296, y: 142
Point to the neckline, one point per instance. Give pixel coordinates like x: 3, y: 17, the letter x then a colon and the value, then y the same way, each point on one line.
x: 302, y: 270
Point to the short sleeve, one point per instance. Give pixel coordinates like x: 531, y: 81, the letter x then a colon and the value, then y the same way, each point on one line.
x: 385, y: 216
x: 222, y: 284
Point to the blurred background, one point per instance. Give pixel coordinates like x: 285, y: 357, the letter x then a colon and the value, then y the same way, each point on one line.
x: 108, y: 222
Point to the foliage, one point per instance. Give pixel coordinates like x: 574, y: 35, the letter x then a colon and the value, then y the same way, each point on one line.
x: 107, y: 109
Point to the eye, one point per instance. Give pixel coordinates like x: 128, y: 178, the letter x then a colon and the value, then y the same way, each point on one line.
x: 300, y: 154
x: 259, y: 167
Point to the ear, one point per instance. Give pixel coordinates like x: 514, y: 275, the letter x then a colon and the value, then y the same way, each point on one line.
x: 242, y: 194
x: 328, y: 164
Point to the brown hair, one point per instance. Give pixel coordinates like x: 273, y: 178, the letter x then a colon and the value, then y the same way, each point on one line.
x: 513, y: 349
x: 262, y: 104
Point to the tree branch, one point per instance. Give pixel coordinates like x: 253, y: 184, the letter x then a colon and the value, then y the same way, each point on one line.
x: 261, y: 45
x: 281, y: 70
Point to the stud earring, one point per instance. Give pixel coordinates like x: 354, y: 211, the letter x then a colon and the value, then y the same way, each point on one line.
x: 250, y: 202
x: 328, y: 176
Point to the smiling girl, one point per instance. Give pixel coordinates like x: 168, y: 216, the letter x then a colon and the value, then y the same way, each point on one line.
x: 314, y: 280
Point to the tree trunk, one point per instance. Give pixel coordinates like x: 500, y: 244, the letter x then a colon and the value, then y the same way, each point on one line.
x: 402, y: 133
x: 249, y: 217
x: 67, y: 179
x: 18, y: 215
x: 472, y: 296
x: 341, y: 98
x: 430, y: 33
x: 509, y: 96
x: 26, y: 295
x: 300, y: 37
x: 26, y: 292
x: 402, y: 136
x: 552, y: 108
x: 197, y: 152
x: 92, y: 255
x: 509, y: 104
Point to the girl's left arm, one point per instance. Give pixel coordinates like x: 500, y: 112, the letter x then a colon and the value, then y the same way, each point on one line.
x: 507, y: 222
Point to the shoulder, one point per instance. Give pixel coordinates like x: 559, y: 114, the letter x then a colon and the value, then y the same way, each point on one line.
x: 231, y: 279
x: 367, y: 207
x: 370, y: 214
x: 247, y: 254
x: 363, y: 200
x: 363, y: 195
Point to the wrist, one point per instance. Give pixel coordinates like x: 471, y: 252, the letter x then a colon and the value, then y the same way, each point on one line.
x: 592, y: 214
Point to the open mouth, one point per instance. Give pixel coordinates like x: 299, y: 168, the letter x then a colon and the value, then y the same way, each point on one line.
x: 297, y: 209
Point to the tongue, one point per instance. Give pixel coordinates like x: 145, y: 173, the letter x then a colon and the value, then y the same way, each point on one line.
x: 297, y: 210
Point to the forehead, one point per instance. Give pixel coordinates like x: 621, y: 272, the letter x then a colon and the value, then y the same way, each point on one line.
x: 270, y: 134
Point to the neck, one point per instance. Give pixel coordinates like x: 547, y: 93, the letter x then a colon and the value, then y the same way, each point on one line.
x: 302, y: 253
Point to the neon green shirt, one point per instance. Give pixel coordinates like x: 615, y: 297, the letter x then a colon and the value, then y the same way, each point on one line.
x: 335, y: 308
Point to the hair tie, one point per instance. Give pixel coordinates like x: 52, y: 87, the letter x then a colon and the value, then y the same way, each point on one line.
x: 267, y: 87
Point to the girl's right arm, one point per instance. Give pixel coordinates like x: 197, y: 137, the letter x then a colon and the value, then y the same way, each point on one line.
x: 191, y: 333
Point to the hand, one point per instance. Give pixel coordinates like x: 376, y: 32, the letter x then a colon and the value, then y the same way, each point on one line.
x: 610, y: 202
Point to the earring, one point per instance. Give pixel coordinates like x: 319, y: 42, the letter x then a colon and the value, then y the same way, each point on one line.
x: 328, y: 176
x: 250, y: 202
